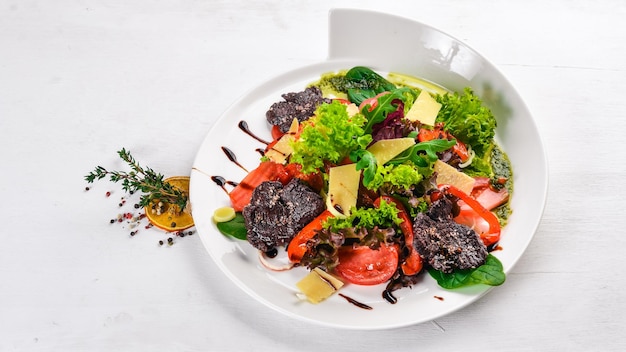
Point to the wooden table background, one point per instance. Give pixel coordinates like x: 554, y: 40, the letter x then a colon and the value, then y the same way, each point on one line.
x: 81, y: 79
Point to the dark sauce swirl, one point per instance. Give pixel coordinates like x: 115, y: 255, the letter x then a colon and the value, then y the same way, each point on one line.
x: 232, y: 157
x: 355, y: 302
x: 243, y: 125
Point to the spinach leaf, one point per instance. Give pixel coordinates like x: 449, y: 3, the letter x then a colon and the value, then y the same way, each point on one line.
x: 365, y: 83
x: 490, y: 273
x: 235, y: 228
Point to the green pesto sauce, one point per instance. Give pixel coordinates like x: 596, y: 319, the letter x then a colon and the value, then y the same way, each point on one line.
x: 501, y: 166
x: 333, y: 84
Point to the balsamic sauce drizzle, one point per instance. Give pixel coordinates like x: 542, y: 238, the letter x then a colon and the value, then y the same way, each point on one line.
x: 222, y: 182
x: 243, y: 125
x: 355, y: 302
x: 389, y: 297
x: 232, y: 157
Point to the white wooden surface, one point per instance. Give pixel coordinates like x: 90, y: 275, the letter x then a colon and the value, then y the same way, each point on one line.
x: 81, y: 79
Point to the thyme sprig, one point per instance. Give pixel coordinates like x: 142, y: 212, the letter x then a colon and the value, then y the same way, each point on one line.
x: 144, y: 180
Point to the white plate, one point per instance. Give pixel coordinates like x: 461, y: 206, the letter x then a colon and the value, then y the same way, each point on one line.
x: 429, y: 54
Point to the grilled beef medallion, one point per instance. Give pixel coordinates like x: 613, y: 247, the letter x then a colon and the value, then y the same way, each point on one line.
x: 276, y: 213
x: 445, y: 244
x: 300, y: 105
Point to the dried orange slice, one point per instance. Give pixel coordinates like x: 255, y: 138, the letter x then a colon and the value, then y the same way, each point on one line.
x: 168, y: 217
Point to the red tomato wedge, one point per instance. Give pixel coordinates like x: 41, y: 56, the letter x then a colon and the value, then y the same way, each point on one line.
x: 365, y: 266
x: 413, y: 262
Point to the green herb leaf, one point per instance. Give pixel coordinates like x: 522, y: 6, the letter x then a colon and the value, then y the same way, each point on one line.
x: 491, y: 273
x: 385, y: 106
x: 431, y: 148
x: 235, y: 228
x: 366, y: 161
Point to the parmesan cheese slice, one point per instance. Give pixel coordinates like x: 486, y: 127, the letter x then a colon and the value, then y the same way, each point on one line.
x: 281, y: 150
x: 424, y: 109
x: 387, y: 149
x: 318, y: 285
x: 448, y: 175
x: 343, y: 189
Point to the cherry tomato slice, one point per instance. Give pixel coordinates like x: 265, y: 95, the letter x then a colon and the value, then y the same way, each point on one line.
x: 365, y: 266
x: 372, y: 102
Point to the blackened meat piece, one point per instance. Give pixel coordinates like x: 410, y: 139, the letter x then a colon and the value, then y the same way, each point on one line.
x: 299, y: 105
x: 276, y: 213
x: 265, y: 213
x: 307, y: 204
x: 441, y: 210
x: 445, y: 244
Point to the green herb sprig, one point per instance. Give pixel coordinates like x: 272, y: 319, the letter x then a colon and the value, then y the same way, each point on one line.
x: 144, y: 180
x: 431, y: 148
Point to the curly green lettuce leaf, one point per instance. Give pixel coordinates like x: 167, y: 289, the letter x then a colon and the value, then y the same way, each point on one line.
x: 330, y: 136
x: 391, y: 176
x: 385, y: 215
x: 466, y: 118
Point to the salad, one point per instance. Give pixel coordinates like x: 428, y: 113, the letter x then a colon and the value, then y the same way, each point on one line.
x: 376, y: 181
